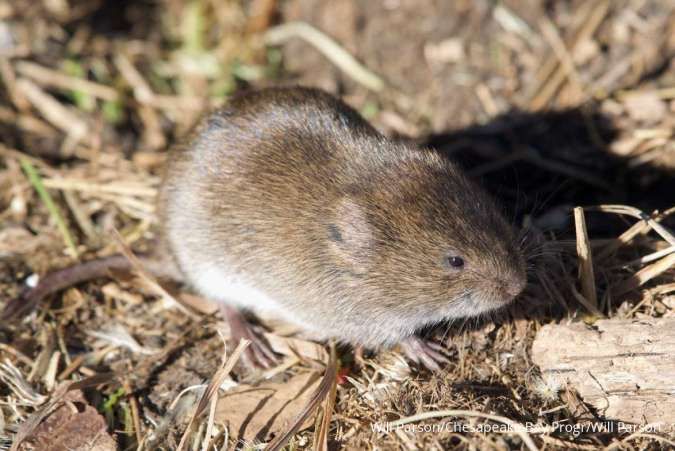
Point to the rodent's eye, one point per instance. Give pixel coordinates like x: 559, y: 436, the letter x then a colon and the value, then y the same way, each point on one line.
x: 455, y: 262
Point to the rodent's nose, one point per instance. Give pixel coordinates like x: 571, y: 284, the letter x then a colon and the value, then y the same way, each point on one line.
x: 514, y: 287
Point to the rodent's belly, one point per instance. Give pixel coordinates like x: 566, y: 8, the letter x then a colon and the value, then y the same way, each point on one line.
x: 220, y: 284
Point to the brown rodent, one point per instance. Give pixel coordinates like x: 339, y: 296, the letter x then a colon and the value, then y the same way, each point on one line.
x: 287, y: 201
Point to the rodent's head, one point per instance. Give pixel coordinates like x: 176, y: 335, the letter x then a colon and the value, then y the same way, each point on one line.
x: 423, y: 244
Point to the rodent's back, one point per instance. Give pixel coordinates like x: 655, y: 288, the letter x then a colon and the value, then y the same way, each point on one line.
x: 274, y: 142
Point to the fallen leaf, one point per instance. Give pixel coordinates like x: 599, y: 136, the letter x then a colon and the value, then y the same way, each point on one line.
x: 254, y: 413
x: 74, y: 426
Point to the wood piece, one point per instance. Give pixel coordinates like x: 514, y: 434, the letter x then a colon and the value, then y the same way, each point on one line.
x: 625, y: 369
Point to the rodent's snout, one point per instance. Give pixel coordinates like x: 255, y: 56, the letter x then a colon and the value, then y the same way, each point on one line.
x: 499, y: 292
x: 514, y: 286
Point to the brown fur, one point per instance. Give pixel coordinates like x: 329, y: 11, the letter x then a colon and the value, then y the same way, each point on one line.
x: 347, y: 230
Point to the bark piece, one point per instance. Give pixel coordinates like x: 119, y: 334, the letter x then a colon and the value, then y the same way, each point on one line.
x: 623, y: 368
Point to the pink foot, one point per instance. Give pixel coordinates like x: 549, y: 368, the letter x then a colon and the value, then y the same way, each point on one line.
x: 426, y: 353
x: 258, y: 354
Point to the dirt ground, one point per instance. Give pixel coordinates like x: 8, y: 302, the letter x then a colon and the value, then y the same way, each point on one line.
x: 550, y: 104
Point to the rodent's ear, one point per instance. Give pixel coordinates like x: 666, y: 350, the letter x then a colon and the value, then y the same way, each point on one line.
x: 351, y: 235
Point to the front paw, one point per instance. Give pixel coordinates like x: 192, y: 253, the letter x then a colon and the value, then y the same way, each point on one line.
x: 425, y: 353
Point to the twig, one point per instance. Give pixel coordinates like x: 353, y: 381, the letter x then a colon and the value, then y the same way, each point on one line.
x: 122, y: 188
x: 212, y: 388
x: 550, y: 32
x: 511, y: 22
x: 148, y: 278
x: 636, y: 213
x: 321, y: 435
x: 583, y: 301
x: 644, y: 275
x: 144, y: 94
x: 649, y: 257
x: 209, y: 424
x: 152, y: 133
x: 586, y: 274
x: 329, y: 378
x: 663, y: 93
x: 52, y: 110
x: 83, y: 220
x: 8, y: 77
x: 50, y: 77
x: 553, y: 75
x: 133, y: 402
x: 329, y: 48
x: 15, y: 154
x: 636, y: 229
x: 27, y: 122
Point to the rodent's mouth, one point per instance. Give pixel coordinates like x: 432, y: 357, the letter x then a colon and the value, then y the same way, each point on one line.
x: 475, y: 304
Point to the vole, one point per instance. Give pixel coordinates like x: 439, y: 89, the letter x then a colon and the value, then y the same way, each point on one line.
x: 286, y: 201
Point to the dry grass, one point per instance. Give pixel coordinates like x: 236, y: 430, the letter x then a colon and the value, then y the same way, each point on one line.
x: 93, y: 92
